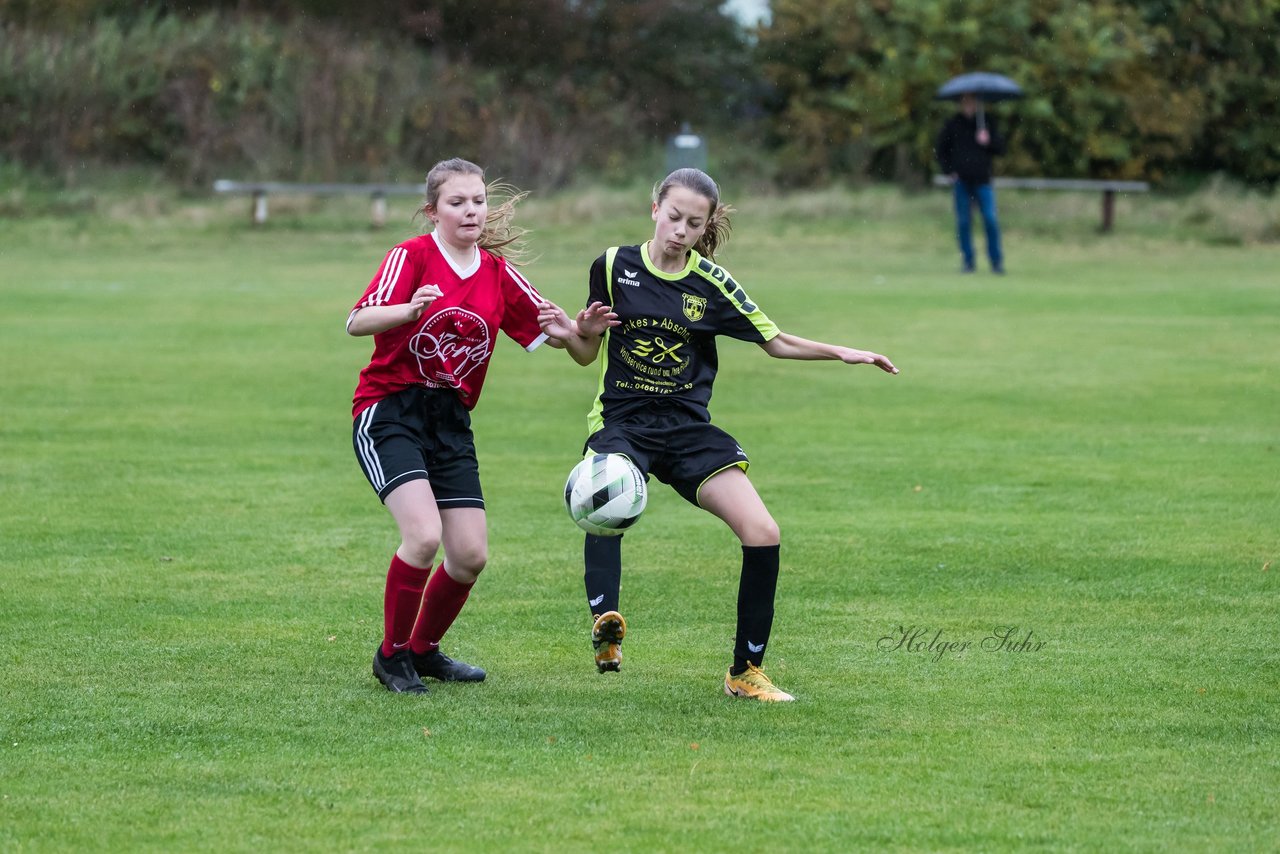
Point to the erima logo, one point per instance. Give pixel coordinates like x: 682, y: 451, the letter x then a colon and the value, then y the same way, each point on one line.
x: 628, y: 277
x: 596, y: 601
x: 755, y: 647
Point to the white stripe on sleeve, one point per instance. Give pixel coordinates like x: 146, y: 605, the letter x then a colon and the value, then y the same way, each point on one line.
x: 390, y: 273
x: 523, y: 284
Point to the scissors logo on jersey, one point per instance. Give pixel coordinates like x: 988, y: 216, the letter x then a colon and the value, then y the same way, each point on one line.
x: 694, y: 307
x: 451, y: 344
x: 657, y: 351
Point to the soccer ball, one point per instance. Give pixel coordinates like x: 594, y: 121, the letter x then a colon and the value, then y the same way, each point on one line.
x: 605, y: 494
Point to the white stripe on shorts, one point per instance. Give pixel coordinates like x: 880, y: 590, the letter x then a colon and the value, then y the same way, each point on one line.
x: 368, y: 453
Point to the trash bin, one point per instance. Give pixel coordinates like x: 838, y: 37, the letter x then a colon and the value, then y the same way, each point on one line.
x: 686, y: 149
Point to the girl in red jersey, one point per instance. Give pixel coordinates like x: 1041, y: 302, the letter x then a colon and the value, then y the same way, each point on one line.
x: 670, y: 300
x: 434, y: 309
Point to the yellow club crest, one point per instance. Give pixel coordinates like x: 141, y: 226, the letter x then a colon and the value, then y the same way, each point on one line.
x: 694, y: 307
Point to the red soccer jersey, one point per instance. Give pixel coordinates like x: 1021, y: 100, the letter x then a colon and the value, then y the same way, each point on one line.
x: 450, y: 345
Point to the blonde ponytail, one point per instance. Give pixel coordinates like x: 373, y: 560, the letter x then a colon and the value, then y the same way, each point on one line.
x: 499, y: 235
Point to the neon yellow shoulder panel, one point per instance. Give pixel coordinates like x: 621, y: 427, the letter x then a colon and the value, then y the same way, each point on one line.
x: 720, y: 277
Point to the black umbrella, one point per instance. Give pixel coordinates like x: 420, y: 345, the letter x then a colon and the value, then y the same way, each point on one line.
x: 983, y: 85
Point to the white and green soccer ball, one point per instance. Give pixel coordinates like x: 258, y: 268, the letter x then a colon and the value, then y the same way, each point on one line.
x: 605, y: 494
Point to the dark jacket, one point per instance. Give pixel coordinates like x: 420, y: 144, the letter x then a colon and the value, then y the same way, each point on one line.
x: 958, y: 151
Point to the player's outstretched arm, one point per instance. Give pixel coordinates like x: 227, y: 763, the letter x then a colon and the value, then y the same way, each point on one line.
x: 373, y: 319
x: 787, y: 346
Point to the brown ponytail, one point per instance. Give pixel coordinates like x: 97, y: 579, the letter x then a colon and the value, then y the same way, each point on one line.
x: 717, y: 233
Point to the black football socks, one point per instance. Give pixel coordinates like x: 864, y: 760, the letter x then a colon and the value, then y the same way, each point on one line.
x: 756, y: 590
x: 603, y: 576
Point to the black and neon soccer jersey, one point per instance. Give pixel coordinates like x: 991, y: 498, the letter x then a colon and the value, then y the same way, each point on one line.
x: 664, y: 349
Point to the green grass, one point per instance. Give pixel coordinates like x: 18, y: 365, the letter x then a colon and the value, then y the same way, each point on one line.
x: 1087, y: 449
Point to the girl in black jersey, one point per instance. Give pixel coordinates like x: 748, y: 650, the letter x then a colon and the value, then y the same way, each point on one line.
x: 653, y: 314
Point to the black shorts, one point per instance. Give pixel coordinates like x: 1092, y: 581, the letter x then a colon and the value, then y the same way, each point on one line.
x: 420, y: 434
x: 671, y: 445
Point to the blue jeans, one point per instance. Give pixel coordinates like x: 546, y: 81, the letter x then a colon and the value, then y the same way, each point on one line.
x: 985, y: 196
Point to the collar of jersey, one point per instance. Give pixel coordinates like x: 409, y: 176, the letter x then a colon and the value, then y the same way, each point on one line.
x: 462, y: 273
x: 662, y: 274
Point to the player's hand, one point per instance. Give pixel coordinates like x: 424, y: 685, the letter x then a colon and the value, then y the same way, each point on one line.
x: 593, y: 320
x: 421, y: 299
x: 554, y: 322
x: 865, y: 357
x: 983, y: 137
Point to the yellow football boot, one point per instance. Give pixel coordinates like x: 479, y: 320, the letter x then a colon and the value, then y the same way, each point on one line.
x: 754, y: 685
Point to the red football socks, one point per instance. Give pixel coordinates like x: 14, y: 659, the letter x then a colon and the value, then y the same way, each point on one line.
x: 440, y: 606
x: 400, y: 604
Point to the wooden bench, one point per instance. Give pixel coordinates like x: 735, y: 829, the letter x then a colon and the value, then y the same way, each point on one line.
x: 1108, y: 189
x: 376, y: 192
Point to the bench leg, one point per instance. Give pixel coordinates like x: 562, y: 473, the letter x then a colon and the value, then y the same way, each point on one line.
x: 1108, y: 209
x: 259, y: 207
x: 378, y: 212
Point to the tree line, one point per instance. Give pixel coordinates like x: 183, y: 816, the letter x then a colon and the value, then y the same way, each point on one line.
x: 544, y: 90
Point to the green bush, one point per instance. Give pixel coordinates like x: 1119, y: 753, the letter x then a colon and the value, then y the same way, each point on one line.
x: 266, y: 100
x: 1134, y: 89
x: 541, y: 91
x: 305, y: 97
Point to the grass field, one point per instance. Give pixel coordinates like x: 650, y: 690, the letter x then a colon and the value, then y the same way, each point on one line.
x: 1086, y: 450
